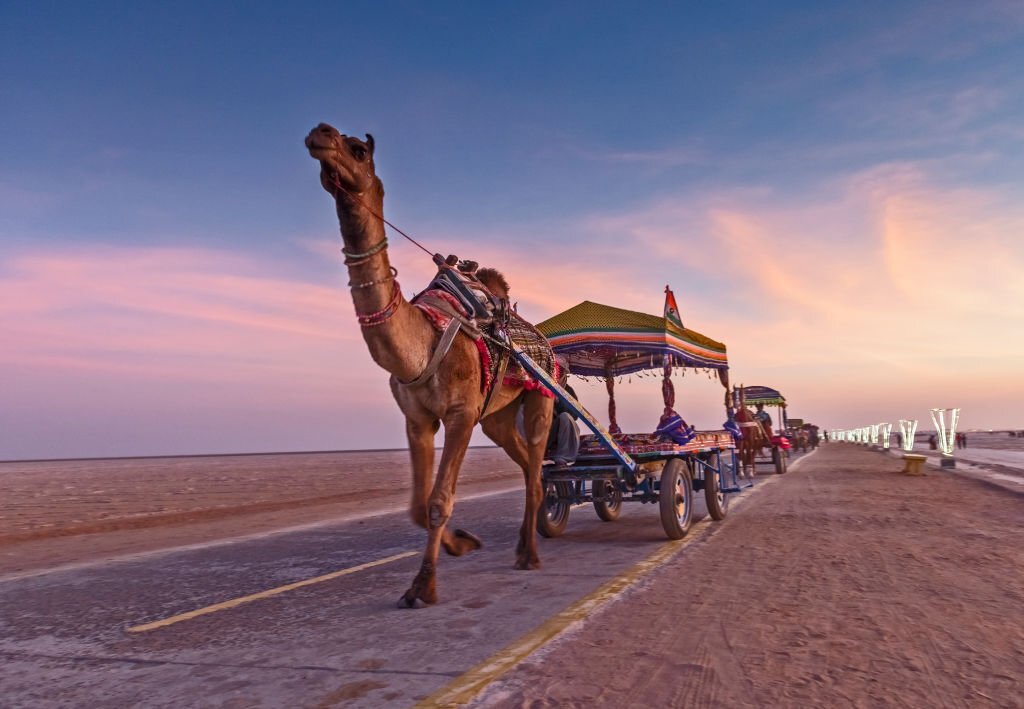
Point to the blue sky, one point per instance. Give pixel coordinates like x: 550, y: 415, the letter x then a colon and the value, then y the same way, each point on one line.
x: 637, y: 146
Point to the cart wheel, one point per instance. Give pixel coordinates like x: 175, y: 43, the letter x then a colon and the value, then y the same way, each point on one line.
x: 553, y: 516
x: 676, y: 499
x: 718, y: 501
x: 609, y: 505
x: 779, y: 458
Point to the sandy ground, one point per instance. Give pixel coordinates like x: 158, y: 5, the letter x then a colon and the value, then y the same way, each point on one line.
x: 60, y: 512
x: 848, y: 585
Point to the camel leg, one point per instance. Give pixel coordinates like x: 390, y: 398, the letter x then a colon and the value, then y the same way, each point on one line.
x: 421, y: 448
x: 458, y: 427
x: 749, y: 463
x: 529, y: 455
x: 537, y: 417
x: 500, y: 427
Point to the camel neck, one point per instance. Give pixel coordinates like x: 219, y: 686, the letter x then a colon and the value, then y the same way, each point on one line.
x: 359, y: 216
x: 369, y: 268
x: 401, y: 342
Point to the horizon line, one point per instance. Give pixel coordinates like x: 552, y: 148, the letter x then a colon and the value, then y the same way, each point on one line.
x: 216, y: 455
x: 341, y: 450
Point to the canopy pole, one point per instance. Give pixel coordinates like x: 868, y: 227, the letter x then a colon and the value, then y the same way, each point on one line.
x: 668, y: 391
x: 609, y: 382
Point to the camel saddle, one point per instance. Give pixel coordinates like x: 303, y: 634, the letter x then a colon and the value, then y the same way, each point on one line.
x: 456, y: 300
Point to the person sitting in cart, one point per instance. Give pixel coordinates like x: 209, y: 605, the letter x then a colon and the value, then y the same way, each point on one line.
x: 764, y: 417
x: 564, y: 437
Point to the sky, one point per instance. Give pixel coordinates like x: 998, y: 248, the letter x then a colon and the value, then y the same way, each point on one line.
x: 831, y: 189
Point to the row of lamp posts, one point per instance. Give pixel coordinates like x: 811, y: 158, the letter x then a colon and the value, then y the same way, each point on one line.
x: 880, y: 433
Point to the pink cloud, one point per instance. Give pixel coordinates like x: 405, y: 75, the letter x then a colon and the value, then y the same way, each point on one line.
x: 878, y: 296
x: 196, y: 331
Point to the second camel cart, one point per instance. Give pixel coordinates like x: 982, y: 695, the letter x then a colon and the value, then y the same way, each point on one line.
x: 667, y: 467
x: 776, y: 452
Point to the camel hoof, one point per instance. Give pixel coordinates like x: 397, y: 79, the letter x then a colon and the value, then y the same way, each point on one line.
x: 527, y: 564
x: 417, y: 599
x: 463, y: 534
x: 406, y: 602
x: 461, y: 543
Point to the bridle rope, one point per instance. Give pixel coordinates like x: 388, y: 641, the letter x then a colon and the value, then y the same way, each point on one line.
x: 353, y: 258
x: 357, y: 198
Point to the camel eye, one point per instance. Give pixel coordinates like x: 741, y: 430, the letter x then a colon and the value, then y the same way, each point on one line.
x: 359, y: 152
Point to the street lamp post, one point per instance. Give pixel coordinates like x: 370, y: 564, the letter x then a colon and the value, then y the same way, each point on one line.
x: 886, y: 432
x: 947, y: 436
x: 909, y: 430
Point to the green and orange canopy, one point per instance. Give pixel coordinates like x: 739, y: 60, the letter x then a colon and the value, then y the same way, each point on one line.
x: 763, y: 395
x: 600, y: 341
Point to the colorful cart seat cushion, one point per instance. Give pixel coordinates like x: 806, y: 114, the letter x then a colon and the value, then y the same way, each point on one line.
x: 640, y: 443
x: 734, y: 428
x: 672, y: 427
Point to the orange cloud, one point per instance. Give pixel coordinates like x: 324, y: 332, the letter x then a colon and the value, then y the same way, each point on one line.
x: 878, y: 292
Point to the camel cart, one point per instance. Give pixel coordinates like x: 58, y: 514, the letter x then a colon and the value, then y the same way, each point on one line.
x: 668, y: 468
x: 779, y: 450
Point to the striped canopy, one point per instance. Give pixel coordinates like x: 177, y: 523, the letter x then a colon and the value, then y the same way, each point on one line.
x: 599, y: 340
x: 763, y: 395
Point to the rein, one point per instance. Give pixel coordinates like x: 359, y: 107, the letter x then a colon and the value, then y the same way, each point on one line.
x: 337, y: 185
x: 355, y: 259
x: 358, y: 258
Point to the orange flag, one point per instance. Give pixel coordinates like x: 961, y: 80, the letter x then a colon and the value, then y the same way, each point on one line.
x: 671, y: 309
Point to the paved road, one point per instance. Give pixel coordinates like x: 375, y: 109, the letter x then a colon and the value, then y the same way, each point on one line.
x: 843, y: 584
x: 65, y: 637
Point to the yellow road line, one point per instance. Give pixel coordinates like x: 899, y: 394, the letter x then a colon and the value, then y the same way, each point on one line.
x: 465, y: 687
x: 265, y: 594
x: 468, y: 685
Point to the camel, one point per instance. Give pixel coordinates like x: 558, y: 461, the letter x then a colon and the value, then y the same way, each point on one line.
x: 754, y: 437
x: 802, y: 440
x: 401, y: 341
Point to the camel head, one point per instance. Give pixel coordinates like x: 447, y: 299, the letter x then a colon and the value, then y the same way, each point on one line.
x: 345, y: 162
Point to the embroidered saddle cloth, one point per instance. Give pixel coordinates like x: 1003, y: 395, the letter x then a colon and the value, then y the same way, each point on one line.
x: 492, y: 317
